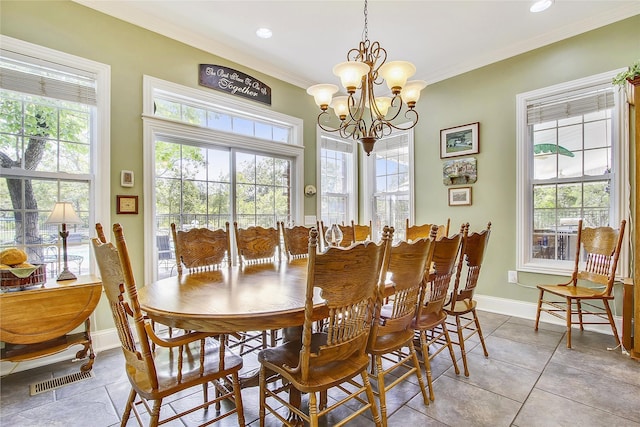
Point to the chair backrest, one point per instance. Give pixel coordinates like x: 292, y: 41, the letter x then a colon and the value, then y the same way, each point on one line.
x: 347, y: 279
x: 296, y: 241
x: 423, y: 231
x: 361, y: 233
x: 163, y: 244
x: 117, y: 280
x: 472, y: 252
x: 407, y: 262
x: 600, y: 248
x: 445, y: 253
x: 257, y: 244
x: 348, y: 236
x: 201, y: 248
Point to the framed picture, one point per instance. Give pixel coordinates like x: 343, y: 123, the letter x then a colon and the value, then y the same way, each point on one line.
x: 460, y: 140
x: 126, y: 178
x: 127, y: 205
x: 459, y: 171
x: 460, y: 196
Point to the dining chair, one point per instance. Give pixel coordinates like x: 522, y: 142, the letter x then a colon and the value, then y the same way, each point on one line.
x: 329, y: 359
x: 392, y: 329
x: 596, y: 260
x: 347, y: 235
x: 423, y: 231
x: 170, y: 365
x: 296, y: 240
x: 461, y: 306
x: 200, y: 249
x: 361, y: 233
x: 430, y: 321
x: 257, y: 244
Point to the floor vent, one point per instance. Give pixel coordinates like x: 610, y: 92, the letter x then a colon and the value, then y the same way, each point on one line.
x: 55, y: 383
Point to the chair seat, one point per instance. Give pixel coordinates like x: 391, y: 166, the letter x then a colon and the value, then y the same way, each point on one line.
x: 390, y: 342
x: 429, y: 320
x: 575, y: 291
x: 321, y: 379
x: 166, y: 360
x: 461, y: 307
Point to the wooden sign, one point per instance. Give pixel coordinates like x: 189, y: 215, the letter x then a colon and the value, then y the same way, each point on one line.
x: 234, y: 82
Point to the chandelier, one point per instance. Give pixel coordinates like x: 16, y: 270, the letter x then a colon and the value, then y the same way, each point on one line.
x: 363, y: 116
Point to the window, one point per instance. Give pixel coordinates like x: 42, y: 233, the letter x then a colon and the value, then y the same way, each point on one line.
x: 54, y: 115
x: 570, y: 158
x: 203, y: 176
x: 337, y: 179
x: 388, y: 180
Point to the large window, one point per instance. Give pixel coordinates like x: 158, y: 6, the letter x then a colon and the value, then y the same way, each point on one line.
x: 204, y: 174
x: 570, y: 168
x: 53, y: 126
x: 337, y: 181
x: 388, y: 182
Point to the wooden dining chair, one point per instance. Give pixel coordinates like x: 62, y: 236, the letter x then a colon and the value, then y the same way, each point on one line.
x: 423, y: 231
x: 170, y: 365
x: 331, y: 358
x: 257, y: 244
x: 599, y: 249
x: 392, y: 326
x: 296, y: 240
x: 200, y: 249
x: 348, y: 237
x: 430, y: 321
x: 361, y: 233
x: 461, y: 306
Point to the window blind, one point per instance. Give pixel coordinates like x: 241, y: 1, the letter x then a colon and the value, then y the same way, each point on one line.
x: 336, y: 145
x: 45, y: 79
x: 591, y: 101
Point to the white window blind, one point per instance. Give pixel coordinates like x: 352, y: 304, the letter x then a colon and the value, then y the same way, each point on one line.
x: 41, y: 79
x: 336, y: 145
x: 592, y: 100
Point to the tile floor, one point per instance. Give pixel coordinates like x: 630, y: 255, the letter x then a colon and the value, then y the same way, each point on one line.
x: 529, y: 379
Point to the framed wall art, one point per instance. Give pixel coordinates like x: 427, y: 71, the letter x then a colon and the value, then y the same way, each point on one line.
x: 460, y: 140
x: 127, y: 205
x: 460, y: 196
x: 126, y: 178
x: 459, y: 171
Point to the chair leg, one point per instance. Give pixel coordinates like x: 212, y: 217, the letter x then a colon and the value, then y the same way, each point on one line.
x: 382, y: 395
x: 262, y: 391
x: 569, y: 322
x: 127, y: 409
x: 538, y: 311
x: 463, y: 350
x: 579, y: 306
x: 155, y: 413
x: 238, y: 399
x: 416, y: 364
x: 484, y: 346
x: 313, y: 409
x: 427, y: 363
x: 611, y: 321
x: 450, y: 345
x: 371, y: 398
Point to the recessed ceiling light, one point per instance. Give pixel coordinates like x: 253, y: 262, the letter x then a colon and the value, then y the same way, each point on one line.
x: 264, y: 33
x: 540, y: 5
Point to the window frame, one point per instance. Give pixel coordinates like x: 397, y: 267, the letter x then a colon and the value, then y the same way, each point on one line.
x: 525, y: 182
x: 353, y: 187
x: 155, y: 127
x: 100, y: 153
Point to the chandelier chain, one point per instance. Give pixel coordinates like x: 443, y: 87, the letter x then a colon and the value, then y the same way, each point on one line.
x: 365, y: 32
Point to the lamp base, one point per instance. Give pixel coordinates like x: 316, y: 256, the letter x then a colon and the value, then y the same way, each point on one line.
x: 66, y: 275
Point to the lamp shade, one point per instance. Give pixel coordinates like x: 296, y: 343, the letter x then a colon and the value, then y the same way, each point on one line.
x: 63, y: 213
x: 411, y: 91
x: 351, y: 73
x: 340, y: 105
x: 382, y: 104
x: 396, y: 74
x: 322, y: 94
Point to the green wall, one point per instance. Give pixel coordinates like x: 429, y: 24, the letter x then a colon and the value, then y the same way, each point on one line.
x: 486, y: 95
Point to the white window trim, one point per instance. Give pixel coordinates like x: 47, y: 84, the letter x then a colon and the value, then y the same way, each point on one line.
x: 155, y: 127
x: 368, y: 179
x: 100, y: 204
x: 353, y: 201
x: 524, y: 202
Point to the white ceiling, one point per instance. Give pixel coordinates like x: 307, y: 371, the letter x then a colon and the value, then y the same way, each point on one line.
x: 442, y: 38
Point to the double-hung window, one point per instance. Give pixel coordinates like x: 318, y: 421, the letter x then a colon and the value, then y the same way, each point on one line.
x: 337, y: 179
x: 54, y: 126
x: 571, y: 166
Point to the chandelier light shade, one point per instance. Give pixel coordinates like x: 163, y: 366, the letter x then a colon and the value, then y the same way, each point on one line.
x: 364, y: 116
x: 63, y: 214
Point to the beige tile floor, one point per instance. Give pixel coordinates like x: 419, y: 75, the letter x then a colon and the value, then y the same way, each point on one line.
x: 529, y: 379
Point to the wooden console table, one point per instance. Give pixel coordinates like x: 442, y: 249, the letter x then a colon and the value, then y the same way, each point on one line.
x: 38, y: 321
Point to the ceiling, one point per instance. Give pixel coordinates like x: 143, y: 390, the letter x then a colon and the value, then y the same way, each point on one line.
x: 442, y: 38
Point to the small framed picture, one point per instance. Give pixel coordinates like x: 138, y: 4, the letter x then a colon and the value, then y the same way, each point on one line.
x: 126, y: 178
x: 460, y: 196
x: 127, y: 205
x: 460, y: 140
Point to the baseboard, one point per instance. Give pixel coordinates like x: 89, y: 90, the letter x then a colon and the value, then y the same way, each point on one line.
x: 108, y: 338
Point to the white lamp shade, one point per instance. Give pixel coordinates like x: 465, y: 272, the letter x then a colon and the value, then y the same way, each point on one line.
x: 396, y: 73
x: 322, y: 94
x: 63, y: 213
x: 411, y: 91
x: 351, y: 73
x: 340, y: 105
x: 382, y: 104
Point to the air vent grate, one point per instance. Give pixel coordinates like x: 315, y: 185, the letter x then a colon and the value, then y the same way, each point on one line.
x: 55, y: 383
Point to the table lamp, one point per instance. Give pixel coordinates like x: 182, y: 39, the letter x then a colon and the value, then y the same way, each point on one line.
x: 63, y: 213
